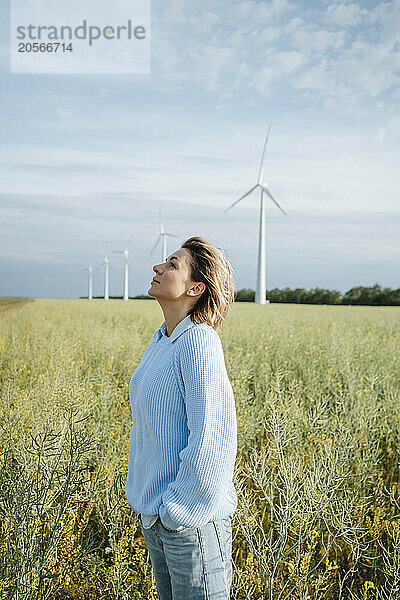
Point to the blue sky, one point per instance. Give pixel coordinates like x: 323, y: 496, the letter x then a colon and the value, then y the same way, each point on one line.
x: 85, y: 160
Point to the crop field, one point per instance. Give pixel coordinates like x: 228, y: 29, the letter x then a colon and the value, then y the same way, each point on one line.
x: 317, y: 392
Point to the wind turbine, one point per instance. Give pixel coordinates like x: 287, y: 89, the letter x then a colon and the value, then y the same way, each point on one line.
x: 162, y: 237
x: 90, y: 283
x: 106, y: 264
x: 261, y: 287
x: 125, y: 252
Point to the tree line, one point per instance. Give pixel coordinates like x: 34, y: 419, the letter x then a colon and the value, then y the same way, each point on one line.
x: 371, y: 296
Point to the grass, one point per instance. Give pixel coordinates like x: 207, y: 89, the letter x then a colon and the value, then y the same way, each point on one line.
x: 317, y: 471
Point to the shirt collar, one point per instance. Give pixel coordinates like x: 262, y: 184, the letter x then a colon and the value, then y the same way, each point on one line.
x: 186, y: 323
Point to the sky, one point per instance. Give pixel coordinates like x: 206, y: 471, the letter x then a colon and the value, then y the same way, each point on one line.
x: 87, y: 160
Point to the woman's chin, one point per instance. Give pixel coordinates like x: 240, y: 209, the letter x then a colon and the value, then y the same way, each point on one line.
x: 150, y: 291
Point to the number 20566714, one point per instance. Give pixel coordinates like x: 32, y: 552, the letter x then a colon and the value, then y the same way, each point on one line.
x: 49, y: 47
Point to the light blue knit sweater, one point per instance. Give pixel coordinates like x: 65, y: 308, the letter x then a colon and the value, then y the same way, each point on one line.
x: 183, y: 443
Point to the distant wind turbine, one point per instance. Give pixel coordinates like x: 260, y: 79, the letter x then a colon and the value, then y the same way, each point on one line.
x: 106, y: 264
x: 90, y: 283
x: 162, y: 237
x: 261, y: 287
x: 125, y: 252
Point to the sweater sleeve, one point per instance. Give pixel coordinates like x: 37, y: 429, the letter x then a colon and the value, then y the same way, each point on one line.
x: 207, y: 462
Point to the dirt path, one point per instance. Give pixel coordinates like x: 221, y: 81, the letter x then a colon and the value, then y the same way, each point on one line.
x: 12, y: 303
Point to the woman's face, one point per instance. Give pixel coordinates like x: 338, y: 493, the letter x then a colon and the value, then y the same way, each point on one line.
x: 172, y: 279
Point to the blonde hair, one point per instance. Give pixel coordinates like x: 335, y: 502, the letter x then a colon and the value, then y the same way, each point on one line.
x: 210, y: 266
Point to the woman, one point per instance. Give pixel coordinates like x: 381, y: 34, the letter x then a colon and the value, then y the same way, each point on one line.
x: 183, y: 443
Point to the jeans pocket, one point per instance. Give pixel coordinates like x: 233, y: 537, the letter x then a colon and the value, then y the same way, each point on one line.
x: 174, y: 530
x: 220, y: 538
x: 168, y: 529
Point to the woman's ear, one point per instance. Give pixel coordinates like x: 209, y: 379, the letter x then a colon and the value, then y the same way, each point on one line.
x: 196, y: 289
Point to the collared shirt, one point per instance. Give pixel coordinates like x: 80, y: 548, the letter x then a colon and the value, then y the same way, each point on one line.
x: 183, y: 442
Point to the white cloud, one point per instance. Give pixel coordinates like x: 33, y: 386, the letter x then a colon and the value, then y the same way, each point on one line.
x: 263, y: 80
x: 278, y: 65
x: 217, y: 59
x: 345, y: 15
x: 285, y: 62
x: 369, y: 68
x: 362, y: 70
x: 230, y: 47
x: 259, y: 12
x: 323, y: 81
x: 386, y: 17
x: 309, y: 40
x: 293, y: 25
x: 267, y: 35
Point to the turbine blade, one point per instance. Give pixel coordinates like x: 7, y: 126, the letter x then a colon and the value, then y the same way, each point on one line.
x: 116, y: 251
x: 266, y: 190
x: 171, y: 235
x: 155, y: 245
x: 241, y: 198
x: 260, y: 172
x: 130, y: 239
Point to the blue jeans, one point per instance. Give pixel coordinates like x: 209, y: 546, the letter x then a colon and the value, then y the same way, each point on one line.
x: 191, y: 564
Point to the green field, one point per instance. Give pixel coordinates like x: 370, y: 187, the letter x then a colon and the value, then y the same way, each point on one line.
x: 317, y: 392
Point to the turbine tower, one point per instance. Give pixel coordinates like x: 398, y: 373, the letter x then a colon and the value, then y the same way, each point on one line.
x: 90, y: 282
x: 106, y: 264
x: 125, y: 252
x: 162, y: 237
x: 261, y: 283
x: 90, y: 285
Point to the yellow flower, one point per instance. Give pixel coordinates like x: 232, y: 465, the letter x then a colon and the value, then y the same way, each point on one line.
x: 290, y: 566
x: 331, y: 566
x: 369, y: 585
